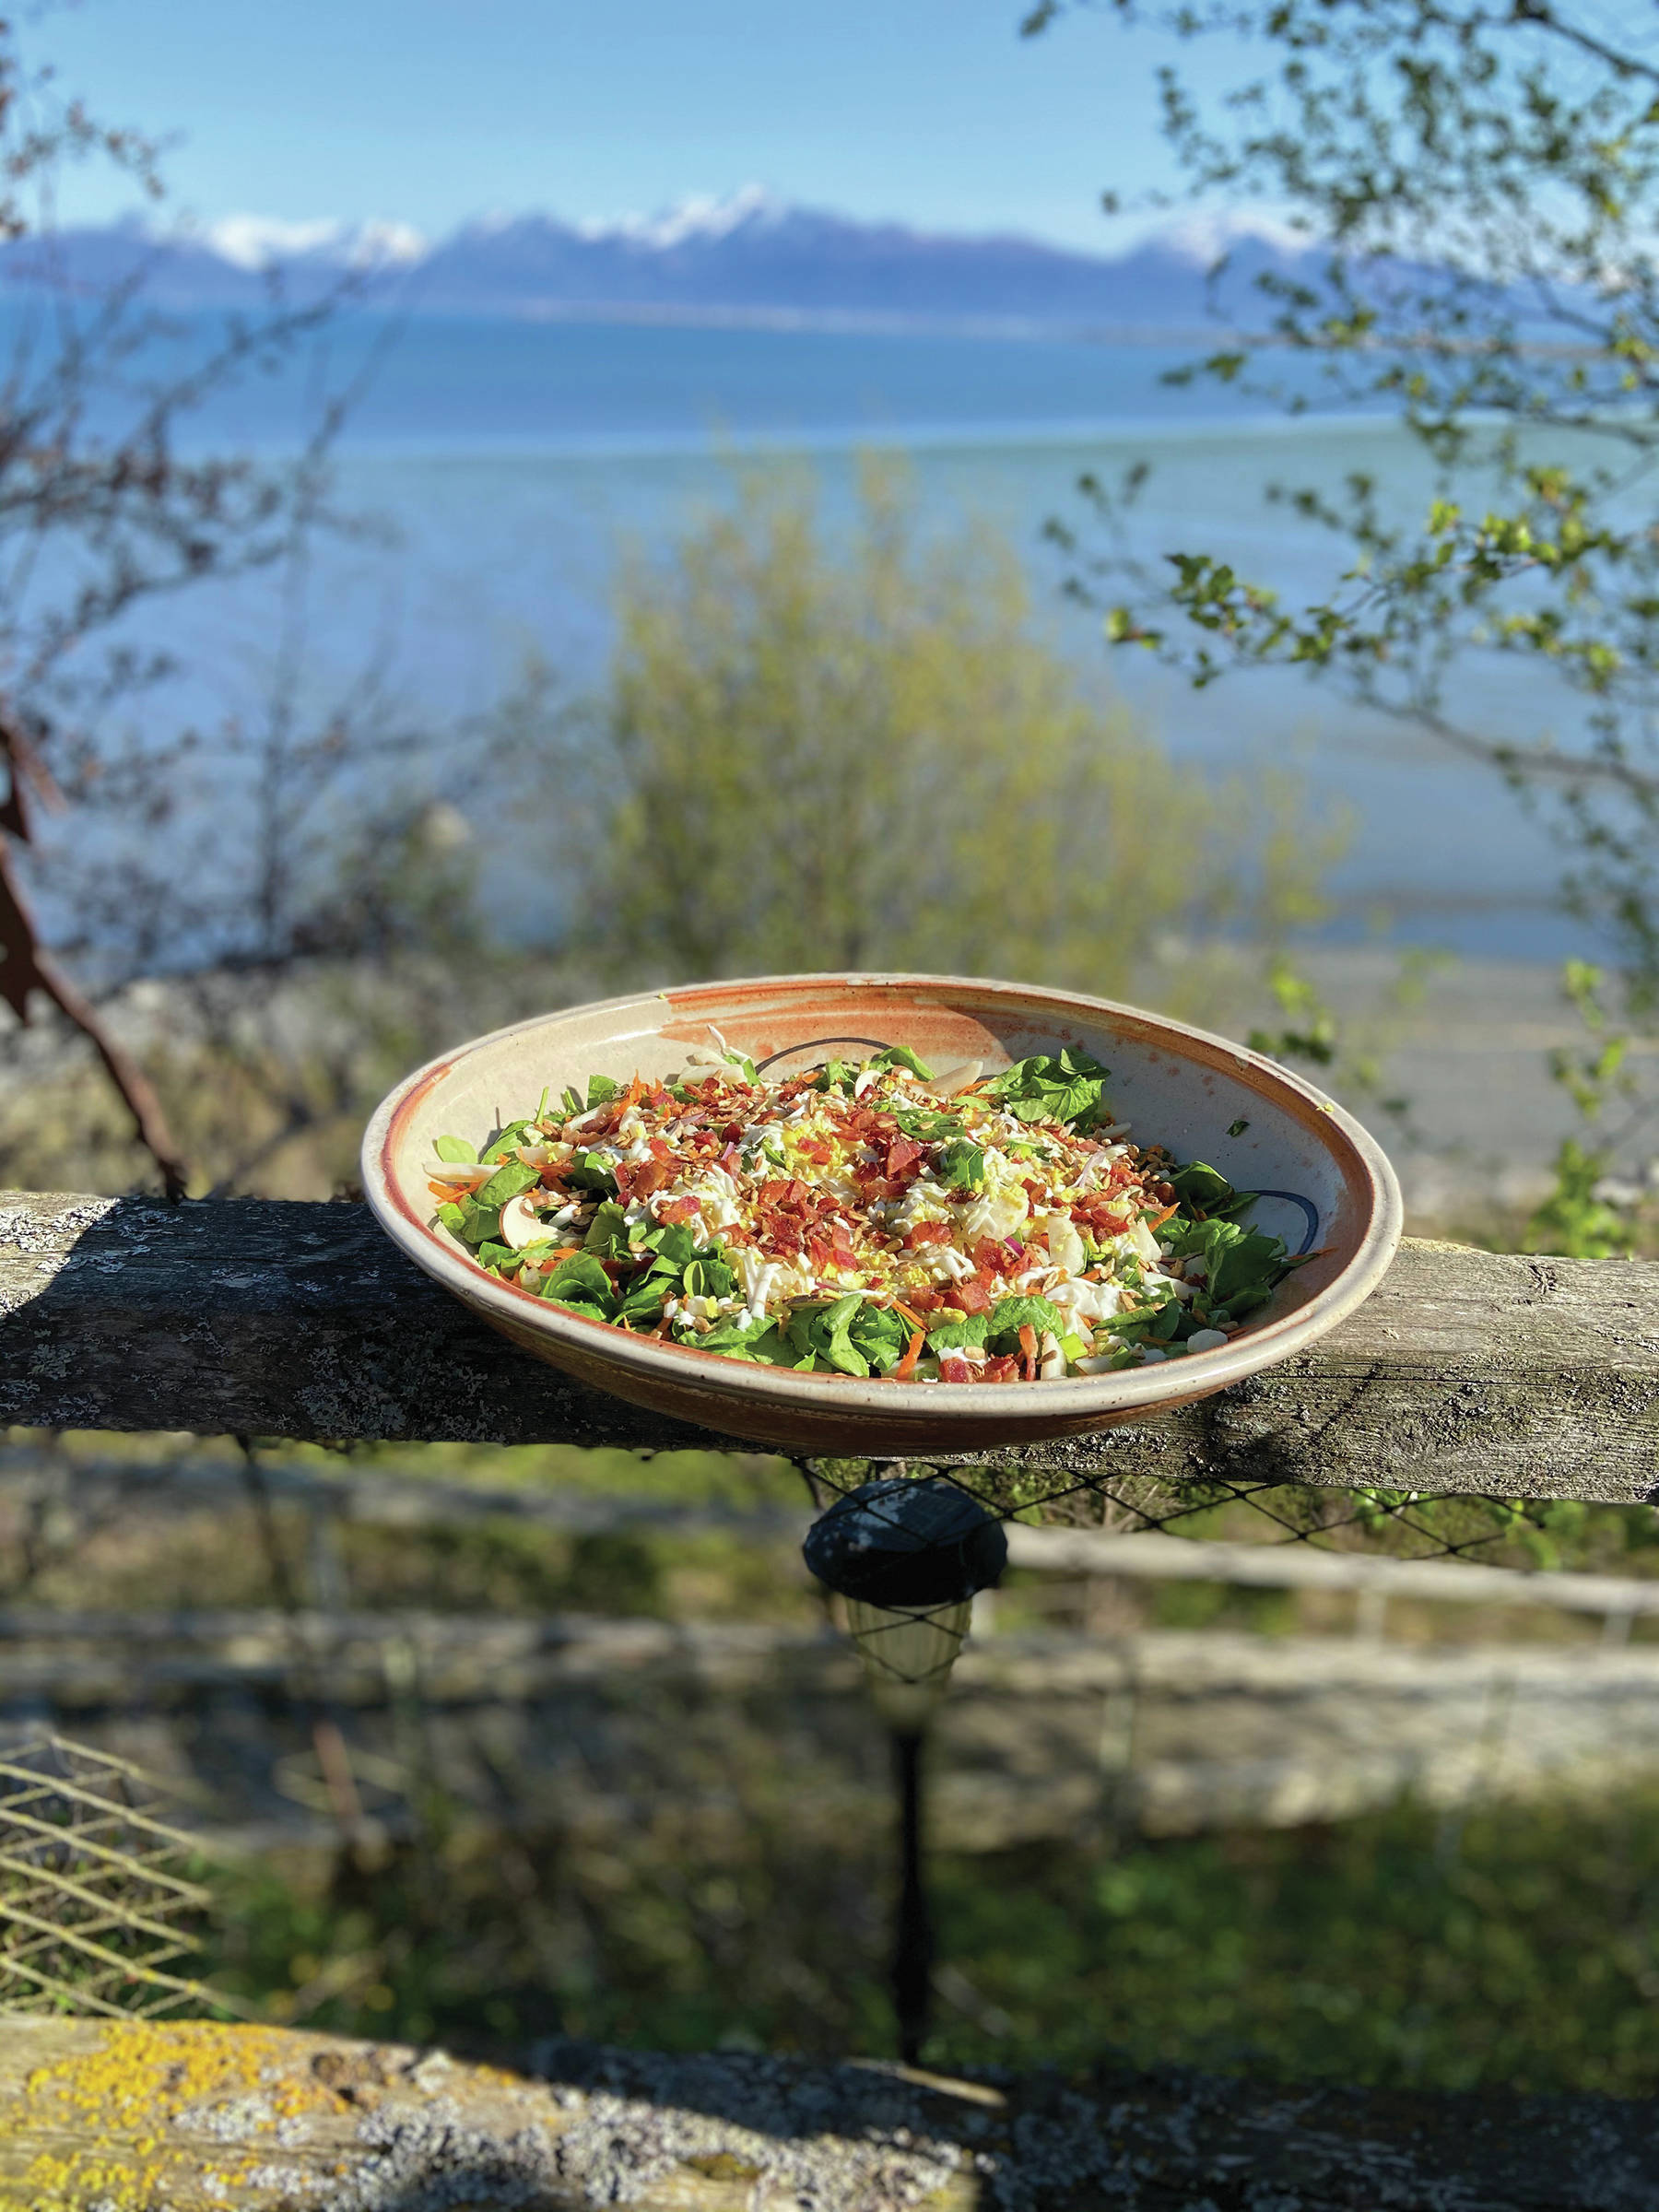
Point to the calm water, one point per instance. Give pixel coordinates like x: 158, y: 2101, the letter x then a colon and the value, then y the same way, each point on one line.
x: 505, y: 462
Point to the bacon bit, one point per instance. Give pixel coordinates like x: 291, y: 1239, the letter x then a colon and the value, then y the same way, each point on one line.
x: 926, y: 1232
x: 1027, y: 1346
x: 1004, y: 1369
x: 729, y: 1157
x: 905, y: 1158
x: 649, y: 1175
x: 1035, y: 1193
x: 1094, y: 1216
x: 922, y: 1301
x: 954, y: 1368
x: 991, y: 1256
x: 809, y: 1147
x: 970, y: 1297
x: 913, y: 1352
x: 817, y: 1250
x: 678, y: 1211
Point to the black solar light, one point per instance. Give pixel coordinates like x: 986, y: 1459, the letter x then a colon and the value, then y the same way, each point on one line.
x: 908, y: 1556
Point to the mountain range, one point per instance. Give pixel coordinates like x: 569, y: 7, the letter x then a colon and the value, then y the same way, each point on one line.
x: 745, y: 258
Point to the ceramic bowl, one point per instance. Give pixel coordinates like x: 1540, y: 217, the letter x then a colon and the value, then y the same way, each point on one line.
x: 1332, y: 1191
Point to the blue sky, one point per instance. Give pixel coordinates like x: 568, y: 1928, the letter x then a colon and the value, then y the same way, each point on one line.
x: 934, y: 112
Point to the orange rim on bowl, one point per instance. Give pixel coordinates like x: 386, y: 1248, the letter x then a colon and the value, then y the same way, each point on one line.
x: 1328, y: 1190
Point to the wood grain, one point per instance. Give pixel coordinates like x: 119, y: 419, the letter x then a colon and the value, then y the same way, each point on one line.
x: 1467, y: 1372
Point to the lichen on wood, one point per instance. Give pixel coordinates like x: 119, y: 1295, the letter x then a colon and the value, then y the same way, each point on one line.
x: 96, y: 2117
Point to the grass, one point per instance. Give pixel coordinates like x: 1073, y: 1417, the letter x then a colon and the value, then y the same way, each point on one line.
x: 1516, y: 1949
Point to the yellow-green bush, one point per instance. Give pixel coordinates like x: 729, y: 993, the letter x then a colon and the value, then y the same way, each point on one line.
x: 821, y: 751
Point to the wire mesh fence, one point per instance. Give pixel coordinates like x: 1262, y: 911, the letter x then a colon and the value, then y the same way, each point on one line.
x: 96, y: 1902
x: 1425, y: 1524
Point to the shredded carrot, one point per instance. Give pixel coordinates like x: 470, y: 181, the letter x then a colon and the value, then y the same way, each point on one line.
x: 1157, y: 1220
x: 905, y: 1314
x: 913, y: 1352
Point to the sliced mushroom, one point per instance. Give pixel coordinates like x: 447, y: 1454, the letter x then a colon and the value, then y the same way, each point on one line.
x: 956, y: 1078
x: 519, y: 1223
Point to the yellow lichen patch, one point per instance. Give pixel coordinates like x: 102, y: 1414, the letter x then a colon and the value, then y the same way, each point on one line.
x: 119, y: 2099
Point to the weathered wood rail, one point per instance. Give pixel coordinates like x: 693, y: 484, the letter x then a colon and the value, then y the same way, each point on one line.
x: 181, y: 2118
x: 1467, y: 1372
x: 1043, y: 1738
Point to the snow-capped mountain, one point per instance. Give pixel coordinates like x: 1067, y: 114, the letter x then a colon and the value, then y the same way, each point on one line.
x: 745, y: 256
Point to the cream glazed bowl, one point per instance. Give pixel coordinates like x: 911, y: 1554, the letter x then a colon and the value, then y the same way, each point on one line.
x: 1328, y: 1190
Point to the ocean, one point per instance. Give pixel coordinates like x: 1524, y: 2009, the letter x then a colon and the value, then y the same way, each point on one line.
x: 499, y: 465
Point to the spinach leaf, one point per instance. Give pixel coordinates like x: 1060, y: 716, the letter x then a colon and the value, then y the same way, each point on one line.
x: 1062, y: 1087
x: 1011, y: 1314
x: 900, y: 1056
x: 643, y: 1299
x: 961, y: 1329
x: 740, y: 1339
x: 1207, y: 1189
x: 708, y: 1276
x: 1249, y: 1263
x: 456, y: 1151
x: 479, y: 1223
x: 501, y: 1257
x: 590, y: 1174
x: 836, y: 1074
x: 961, y: 1165
x: 822, y: 1331
x: 508, y: 1182
x: 670, y: 1246
x: 1239, y: 1263
x: 1149, y: 1323
x: 880, y: 1336
x: 930, y: 1128
x: 607, y: 1233
x: 581, y: 1283
x: 601, y: 1089
x: 507, y: 1141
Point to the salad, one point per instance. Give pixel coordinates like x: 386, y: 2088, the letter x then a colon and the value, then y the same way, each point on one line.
x: 865, y: 1219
